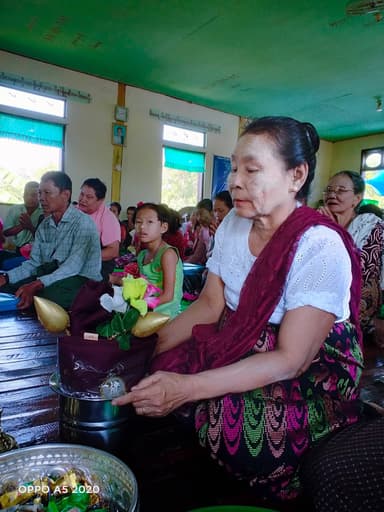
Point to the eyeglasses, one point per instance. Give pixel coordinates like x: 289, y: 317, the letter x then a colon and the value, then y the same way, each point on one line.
x: 339, y: 191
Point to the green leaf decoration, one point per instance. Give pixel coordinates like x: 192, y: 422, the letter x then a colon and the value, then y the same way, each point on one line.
x: 120, y: 327
x: 117, y: 323
x: 130, y: 318
x: 124, y: 341
x: 105, y: 330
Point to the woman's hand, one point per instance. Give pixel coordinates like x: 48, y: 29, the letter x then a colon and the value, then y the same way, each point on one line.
x: 159, y: 394
x: 326, y: 211
x: 213, y: 227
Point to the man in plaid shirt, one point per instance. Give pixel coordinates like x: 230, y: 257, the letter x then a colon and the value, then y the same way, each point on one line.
x: 66, y: 251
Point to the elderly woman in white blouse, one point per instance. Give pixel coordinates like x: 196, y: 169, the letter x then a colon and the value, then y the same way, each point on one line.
x: 267, y: 361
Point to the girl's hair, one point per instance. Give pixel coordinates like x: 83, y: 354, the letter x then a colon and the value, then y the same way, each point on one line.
x: 226, y: 197
x: 357, y: 181
x: 116, y: 205
x: 296, y: 143
x: 160, y: 209
x: 205, y: 203
x: 174, y: 221
x: 204, y: 217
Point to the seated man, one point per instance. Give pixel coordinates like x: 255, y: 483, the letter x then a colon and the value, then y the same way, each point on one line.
x: 65, y: 253
x: 22, y: 220
x: 91, y: 201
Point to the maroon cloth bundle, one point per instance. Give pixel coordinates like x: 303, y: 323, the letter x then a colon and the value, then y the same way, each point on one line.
x: 86, y: 312
x: 85, y: 364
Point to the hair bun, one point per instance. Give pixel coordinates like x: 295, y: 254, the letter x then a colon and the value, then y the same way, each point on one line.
x: 312, y: 136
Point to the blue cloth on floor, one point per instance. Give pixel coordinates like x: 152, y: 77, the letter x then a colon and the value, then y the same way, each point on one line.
x: 8, y: 302
x: 193, y: 278
x: 13, y: 262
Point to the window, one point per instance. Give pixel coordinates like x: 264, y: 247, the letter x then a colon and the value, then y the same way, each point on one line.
x: 183, y: 136
x: 372, y: 170
x: 32, y: 102
x: 182, y: 177
x: 29, y: 146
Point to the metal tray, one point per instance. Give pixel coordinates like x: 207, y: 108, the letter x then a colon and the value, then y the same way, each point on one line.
x: 115, y: 480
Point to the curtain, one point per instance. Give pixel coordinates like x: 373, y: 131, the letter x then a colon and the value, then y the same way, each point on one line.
x: 191, y: 161
x: 31, y: 130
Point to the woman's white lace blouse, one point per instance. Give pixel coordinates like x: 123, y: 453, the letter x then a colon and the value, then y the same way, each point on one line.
x: 320, y: 275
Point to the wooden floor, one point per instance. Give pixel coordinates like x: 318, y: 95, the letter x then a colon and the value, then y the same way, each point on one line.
x: 27, y: 358
x: 172, y: 471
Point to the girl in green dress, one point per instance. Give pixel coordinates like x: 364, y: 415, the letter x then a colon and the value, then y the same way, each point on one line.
x: 159, y: 262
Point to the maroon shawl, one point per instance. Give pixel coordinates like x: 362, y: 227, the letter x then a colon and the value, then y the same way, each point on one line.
x: 210, y: 347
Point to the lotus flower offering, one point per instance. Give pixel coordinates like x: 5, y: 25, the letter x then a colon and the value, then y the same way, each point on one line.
x: 130, y: 304
x: 110, y: 358
x: 52, y: 316
x: 108, y: 362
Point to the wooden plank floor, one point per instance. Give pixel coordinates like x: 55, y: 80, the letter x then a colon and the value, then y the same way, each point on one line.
x: 27, y: 359
x: 173, y: 472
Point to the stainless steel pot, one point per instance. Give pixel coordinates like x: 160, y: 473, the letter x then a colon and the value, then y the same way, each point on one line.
x: 92, y: 421
x: 91, y: 413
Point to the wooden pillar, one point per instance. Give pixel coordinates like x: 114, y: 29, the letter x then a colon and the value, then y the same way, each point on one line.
x: 243, y: 121
x: 117, y: 158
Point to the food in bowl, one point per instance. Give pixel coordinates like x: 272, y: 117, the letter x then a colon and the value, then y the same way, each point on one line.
x: 71, y: 492
x: 60, y: 477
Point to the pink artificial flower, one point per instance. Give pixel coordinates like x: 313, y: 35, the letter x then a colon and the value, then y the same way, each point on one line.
x: 190, y: 296
x: 151, y: 295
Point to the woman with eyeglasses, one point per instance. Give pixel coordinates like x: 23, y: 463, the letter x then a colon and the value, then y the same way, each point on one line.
x: 342, y: 198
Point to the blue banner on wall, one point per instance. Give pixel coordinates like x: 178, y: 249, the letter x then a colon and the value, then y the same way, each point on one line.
x: 221, y: 169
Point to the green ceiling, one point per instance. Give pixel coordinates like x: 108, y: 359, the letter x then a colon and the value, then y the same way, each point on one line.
x: 303, y: 58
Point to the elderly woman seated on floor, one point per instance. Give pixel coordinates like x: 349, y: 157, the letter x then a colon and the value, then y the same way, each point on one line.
x: 342, y: 199
x: 267, y: 361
